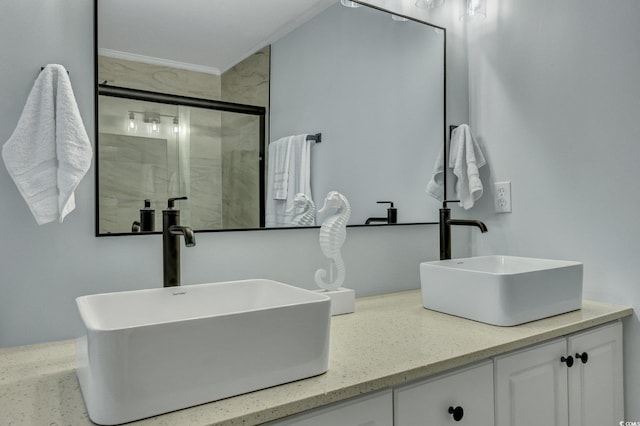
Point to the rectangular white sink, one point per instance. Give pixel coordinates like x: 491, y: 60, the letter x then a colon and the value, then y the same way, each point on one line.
x: 501, y: 290
x: 148, y: 352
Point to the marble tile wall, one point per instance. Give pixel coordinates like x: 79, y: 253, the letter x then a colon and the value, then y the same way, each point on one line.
x: 142, y: 163
x: 157, y: 78
x: 205, y: 197
x: 245, y: 83
x: 248, y: 81
x: 240, y: 166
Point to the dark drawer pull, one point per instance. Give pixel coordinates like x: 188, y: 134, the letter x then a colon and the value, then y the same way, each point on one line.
x: 568, y: 360
x: 584, y: 357
x: 457, y: 413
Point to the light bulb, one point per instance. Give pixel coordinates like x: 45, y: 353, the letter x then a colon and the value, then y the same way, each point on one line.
x: 348, y: 3
x: 132, y: 121
x: 153, y: 122
x: 476, y: 11
x: 176, y: 126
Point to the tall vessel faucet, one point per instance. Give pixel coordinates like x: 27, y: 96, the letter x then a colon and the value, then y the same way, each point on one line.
x: 445, y: 228
x: 171, y: 232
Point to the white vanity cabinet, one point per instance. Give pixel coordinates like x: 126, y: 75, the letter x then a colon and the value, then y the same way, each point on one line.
x: 596, y: 395
x: 370, y: 410
x: 575, y: 380
x: 464, y: 396
x: 551, y: 384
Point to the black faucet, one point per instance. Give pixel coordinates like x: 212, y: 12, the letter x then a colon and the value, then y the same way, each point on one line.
x: 392, y: 215
x: 445, y: 229
x: 171, y: 231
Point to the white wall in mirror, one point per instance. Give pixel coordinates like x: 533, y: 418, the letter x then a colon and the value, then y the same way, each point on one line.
x: 377, y: 98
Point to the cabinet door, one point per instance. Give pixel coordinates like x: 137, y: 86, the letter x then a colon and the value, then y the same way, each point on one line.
x: 531, y: 386
x: 596, y: 387
x: 370, y: 410
x: 467, y: 392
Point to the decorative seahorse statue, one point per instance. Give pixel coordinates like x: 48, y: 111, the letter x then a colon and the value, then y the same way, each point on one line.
x: 308, y: 215
x: 333, y: 232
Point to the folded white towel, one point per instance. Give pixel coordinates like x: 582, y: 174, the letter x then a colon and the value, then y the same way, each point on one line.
x: 435, y: 186
x: 279, y: 157
x: 294, y: 152
x: 465, y: 159
x: 49, y: 152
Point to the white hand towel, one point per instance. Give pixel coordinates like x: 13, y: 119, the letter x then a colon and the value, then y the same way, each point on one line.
x: 304, y: 170
x: 279, y: 157
x: 280, y: 209
x: 435, y: 186
x: 49, y: 152
x: 465, y: 159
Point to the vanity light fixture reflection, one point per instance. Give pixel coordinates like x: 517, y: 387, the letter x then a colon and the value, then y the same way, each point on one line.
x: 429, y: 4
x: 399, y: 18
x: 475, y: 11
x: 153, y: 121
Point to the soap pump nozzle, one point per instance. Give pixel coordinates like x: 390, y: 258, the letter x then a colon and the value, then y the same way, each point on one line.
x: 171, y: 201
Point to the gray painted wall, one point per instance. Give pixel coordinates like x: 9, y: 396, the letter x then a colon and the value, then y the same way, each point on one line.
x: 554, y: 97
x: 45, y: 268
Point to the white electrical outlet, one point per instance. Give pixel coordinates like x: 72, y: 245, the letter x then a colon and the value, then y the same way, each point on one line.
x: 502, y: 197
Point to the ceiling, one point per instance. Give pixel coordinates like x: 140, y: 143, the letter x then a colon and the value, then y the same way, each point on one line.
x: 202, y: 35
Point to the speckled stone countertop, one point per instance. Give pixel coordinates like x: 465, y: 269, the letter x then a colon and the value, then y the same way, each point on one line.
x: 391, y: 339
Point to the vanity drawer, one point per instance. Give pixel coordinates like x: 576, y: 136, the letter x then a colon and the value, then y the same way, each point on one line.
x: 370, y: 410
x: 464, y: 396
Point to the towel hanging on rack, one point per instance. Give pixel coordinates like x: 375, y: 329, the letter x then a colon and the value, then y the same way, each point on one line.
x: 289, y: 174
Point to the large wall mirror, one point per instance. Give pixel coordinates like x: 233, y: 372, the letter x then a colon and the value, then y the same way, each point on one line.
x: 192, y: 97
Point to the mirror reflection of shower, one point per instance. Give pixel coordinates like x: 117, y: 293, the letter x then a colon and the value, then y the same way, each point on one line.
x: 151, y: 150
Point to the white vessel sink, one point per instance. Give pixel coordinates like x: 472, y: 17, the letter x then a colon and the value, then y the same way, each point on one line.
x: 148, y: 352
x: 501, y: 290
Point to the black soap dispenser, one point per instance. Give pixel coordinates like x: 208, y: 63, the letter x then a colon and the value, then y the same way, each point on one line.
x: 147, y: 217
x: 392, y: 212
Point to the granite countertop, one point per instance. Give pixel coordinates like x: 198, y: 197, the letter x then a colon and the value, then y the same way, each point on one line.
x: 390, y: 340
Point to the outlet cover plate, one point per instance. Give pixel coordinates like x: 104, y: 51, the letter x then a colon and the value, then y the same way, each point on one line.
x: 502, y: 191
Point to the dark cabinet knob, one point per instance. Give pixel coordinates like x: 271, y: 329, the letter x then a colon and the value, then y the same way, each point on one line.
x: 568, y: 360
x: 584, y: 357
x: 456, y: 413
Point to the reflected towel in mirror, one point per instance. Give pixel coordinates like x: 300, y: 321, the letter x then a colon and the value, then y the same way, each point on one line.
x: 435, y: 186
x: 289, y: 173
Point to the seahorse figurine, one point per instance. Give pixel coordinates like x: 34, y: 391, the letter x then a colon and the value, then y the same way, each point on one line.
x: 333, y: 232
x: 307, y: 217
